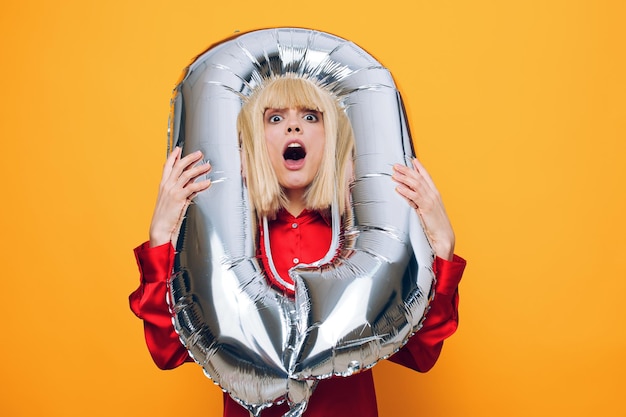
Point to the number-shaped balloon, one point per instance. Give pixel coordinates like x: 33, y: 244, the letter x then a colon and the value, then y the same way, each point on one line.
x: 258, y: 344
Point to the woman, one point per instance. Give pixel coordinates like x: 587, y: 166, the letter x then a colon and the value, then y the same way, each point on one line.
x: 296, y: 142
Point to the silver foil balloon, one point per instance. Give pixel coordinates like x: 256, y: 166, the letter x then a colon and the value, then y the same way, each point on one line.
x: 258, y: 344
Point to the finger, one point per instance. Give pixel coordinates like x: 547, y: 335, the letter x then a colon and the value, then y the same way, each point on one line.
x: 421, y: 180
x: 173, y: 179
x: 406, y: 193
x: 419, y: 195
x: 193, y: 173
x: 411, y: 178
x: 183, y: 163
x: 405, y: 171
x: 169, y: 163
x: 400, y: 173
x: 424, y: 173
x: 197, y: 188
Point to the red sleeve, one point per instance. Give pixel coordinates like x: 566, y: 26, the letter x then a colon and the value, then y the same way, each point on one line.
x: 423, y: 349
x: 148, y: 302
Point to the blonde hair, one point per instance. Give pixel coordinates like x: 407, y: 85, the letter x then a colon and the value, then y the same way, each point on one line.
x: 293, y: 91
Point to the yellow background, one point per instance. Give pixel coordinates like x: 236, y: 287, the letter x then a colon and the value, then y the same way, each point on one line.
x: 517, y: 108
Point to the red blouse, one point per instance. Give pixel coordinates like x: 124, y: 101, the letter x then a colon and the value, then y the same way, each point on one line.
x: 333, y: 397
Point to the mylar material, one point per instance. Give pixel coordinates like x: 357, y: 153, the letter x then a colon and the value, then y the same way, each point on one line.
x: 258, y: 344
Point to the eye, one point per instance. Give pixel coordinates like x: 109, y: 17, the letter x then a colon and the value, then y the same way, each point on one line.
x: 274, y: 118
x: 311, y: 117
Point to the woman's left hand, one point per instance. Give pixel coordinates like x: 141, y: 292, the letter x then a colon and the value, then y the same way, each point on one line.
x: 416, y: 186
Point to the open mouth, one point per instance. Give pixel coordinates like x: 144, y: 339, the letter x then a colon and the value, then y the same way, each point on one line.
x: 294, y: 152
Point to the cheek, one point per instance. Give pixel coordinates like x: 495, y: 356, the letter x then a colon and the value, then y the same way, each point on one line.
x: 274, y: 154
x: 319, y: 155
x: 270, y: 134
x: 320, y: 145
x: 270, y: 143
x: 273, y: 149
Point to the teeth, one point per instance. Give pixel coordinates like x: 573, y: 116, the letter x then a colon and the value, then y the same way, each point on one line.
x: 294, y: 145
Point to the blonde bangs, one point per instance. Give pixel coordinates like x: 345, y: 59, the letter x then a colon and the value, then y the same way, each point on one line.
x: 292, y: 92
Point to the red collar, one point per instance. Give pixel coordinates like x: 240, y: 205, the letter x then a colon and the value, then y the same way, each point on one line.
x: 306, y: 214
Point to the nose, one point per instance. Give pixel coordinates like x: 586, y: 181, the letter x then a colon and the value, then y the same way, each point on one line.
x: 293, y: 123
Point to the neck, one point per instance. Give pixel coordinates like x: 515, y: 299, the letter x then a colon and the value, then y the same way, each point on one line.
x: 296, y: 203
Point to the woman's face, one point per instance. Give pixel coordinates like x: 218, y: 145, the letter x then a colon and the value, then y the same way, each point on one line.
x: 295, y: 142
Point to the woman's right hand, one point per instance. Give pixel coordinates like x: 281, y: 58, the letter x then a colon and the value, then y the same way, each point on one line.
x: 178, y: 187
